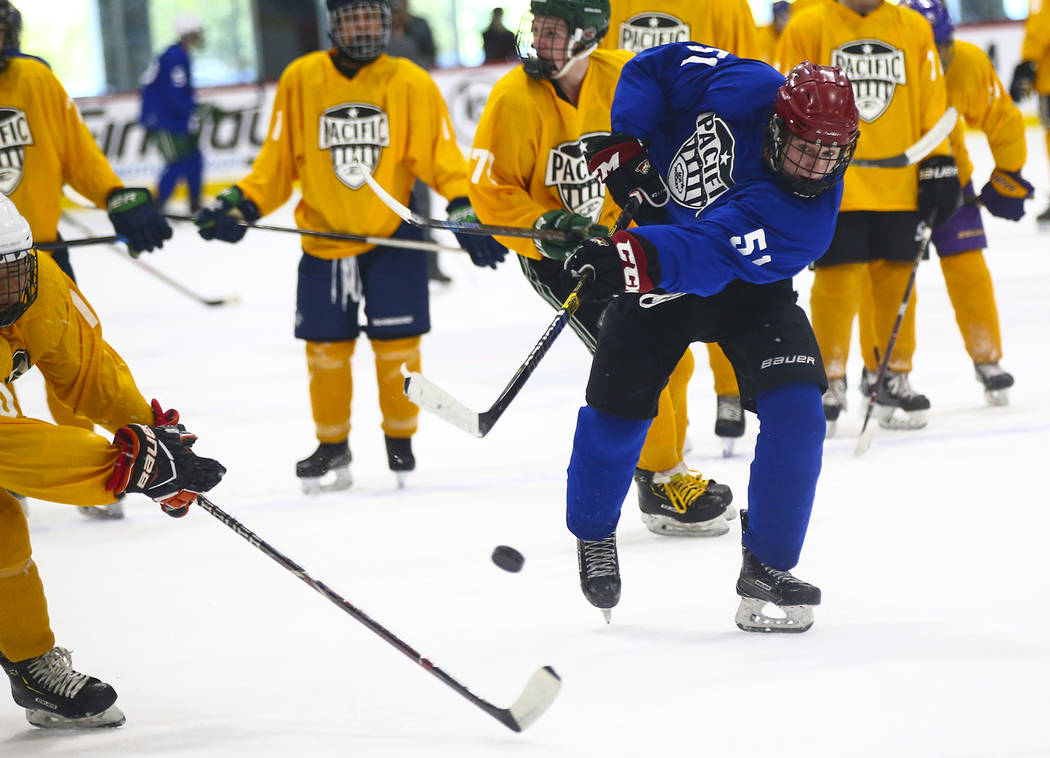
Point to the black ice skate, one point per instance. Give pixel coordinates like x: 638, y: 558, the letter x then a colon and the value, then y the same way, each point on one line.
x: 1043, y: 219
x: 329, y: 457
x: 759, y: 585
x: 399, y: 457
x: 111, y: 512
x: 834, y: 402
x: 729, y: 422
x: 896, y: 393
x: 679, y: 502
x: 56, y: 696
x: 600, y: 573
x: 996, y: 383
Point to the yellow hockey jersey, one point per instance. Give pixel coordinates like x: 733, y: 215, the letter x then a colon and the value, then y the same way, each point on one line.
x: 44, y: 144
x: 1036, y: 45
x: 766, y: 38
x: 890, y: 58
x: 390, y: 118
x: 975, y: 90
x: 528, y: 156
x: 61, y: 335
x: 637, y: 25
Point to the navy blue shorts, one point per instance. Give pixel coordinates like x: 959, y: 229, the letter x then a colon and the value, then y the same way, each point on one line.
x: 392, y: 283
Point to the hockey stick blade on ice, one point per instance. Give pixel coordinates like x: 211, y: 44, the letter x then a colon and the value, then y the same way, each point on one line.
x: 486, y: 230
x: 432, y: 398
x: 540, y: 691
x: 926, y: 144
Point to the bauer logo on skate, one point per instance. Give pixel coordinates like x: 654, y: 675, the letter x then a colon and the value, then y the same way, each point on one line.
x: 579, y: 190
x: 784, y: 360
x: 875, y: 69
x: 647, y: 30
x: 702, y: 170
x: 14, y: 136
x: 354, y: 133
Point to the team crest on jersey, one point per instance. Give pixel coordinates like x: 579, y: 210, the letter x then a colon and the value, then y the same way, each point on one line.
x: 14, y: 136
x: 651, y: 29
x: 702, y: 170
x: 875, y: 69
x: 355, y: 134
x: 580, y: 191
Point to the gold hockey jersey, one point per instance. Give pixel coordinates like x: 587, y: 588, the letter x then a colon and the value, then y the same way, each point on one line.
x: 637, y: 25
x: 61, y: 335
x: 975, y: 90
x: 1036, y: 45
x: 528, y: 157
x: 890, y: 58
x: 44, y: 144
x: 389, y: 118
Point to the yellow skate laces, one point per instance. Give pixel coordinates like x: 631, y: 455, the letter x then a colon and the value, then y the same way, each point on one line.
x: 685, y: 489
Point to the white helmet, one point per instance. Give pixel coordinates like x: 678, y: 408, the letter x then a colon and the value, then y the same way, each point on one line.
x: 18, y: 264
x: 188, y: 23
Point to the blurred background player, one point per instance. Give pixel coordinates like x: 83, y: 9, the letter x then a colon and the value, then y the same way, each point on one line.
x: 52, y: 147
x: 498, y: 41
x: 769, y: 34
x: 45, y: 321
x: 889, y: 55
x: 753, y: 168
x: 1032, y: 74
x: 976, y: 92
x: 638, y: 25
x: 169, y: 113
x: 536, y: 175
x: 338, y: 112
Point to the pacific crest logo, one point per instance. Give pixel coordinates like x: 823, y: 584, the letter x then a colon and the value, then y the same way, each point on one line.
x: 354, y: 133
x: 875, y: 69
x: 702, y: 170
x: 14, y: 137
x: 647, y: 30
x: 580, y: 191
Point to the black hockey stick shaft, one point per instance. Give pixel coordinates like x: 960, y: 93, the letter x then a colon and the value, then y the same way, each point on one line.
x: 925, y: 232
x: 504, y: 715
x: 84, y: 241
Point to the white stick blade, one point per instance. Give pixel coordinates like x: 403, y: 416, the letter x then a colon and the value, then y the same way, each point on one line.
x: 433, y: 399
x: 537, y: 697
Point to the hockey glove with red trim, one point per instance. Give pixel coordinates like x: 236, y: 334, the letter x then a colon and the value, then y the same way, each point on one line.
x: 136, y: 219
x: 157, y: 461
x: 484, y: 251
x: 216, y: 220
x: 162, y: 417
x: 1005, y: 193
x: 609, y: 266
x: 940, y: 193
x: 575, y: 226
x: 622, y: 162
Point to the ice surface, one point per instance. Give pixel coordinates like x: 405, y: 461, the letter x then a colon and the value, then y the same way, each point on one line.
x: 931, y: 550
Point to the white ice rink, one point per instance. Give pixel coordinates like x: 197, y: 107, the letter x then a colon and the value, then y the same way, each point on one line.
x: 931, y: 550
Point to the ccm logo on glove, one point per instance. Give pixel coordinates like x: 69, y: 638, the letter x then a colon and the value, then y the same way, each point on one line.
x: 631, y: 279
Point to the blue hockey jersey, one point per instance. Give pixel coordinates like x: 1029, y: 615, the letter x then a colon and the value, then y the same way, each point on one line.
x: 703, y: 113
x: 168, y: 97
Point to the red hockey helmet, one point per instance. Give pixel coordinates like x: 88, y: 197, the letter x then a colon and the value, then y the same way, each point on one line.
x: 814, y: 128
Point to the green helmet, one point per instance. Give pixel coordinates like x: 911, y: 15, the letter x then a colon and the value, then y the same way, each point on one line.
x: 587, y: 20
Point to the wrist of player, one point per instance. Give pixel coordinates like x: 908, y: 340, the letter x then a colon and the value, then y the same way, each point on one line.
x: 622, y: 162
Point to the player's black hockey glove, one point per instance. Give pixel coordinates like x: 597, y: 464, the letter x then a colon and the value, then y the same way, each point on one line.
x: 1005, y: 193
x: 1022, y: 83
x: 484, y: 251
x: 577, y: 227
x: 157, y: 461
x: 217, y: 221
x: 609, y: 266
x: 940, y: 193
x: 136, y: 219
x: 622, y: 162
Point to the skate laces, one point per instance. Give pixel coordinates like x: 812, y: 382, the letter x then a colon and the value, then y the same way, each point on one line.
x: 54, y: 670
x: 897, y: 384
x: 599, y: 557
x: 729, y: 409
x: 685, y: 488
x: 836, y: 394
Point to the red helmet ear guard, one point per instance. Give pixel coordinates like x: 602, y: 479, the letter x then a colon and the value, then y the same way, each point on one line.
x: 816, y: 103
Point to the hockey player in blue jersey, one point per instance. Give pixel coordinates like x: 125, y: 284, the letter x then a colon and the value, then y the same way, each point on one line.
x: 741, y: 172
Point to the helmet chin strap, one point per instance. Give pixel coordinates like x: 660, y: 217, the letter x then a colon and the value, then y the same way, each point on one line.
x: 574, y: 59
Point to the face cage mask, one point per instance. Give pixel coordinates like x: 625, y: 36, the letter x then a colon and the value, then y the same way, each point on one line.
x: 360, y: 31
x: 578, y: 45
x: 18, y: 284
x: 830, y: 170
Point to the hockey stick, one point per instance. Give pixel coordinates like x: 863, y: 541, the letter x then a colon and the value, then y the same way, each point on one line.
x: 924, y: 232
x: 430, y: 397
x: 59, y: 244
x: 407, y: 214
x: 937, y: 134
x: 537, y: 696
x: 387, y: 241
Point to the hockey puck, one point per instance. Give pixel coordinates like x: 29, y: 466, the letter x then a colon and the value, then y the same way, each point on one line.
x: 507, y: 558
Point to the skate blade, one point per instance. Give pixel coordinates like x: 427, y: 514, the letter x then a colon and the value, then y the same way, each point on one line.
x: 606, y: 614
x: 832, y: 427
x: 315, y: 485
x: 997, y: 398
x: 730, y: 513
x: 110, y: 512
x: 911, y: 420
x: 668, y: 527
x: 402, y: 479
x: 727, y: 446
x: 750, y: 617
x: 111, y: 717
